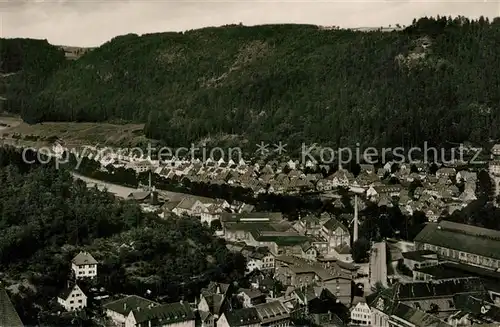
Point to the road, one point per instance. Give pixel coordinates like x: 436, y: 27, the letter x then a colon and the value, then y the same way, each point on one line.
x: 122, y: 191
x: 378, y: 264
x: 118, y: 190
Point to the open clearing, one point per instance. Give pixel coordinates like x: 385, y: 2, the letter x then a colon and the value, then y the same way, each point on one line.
x: 73, y: 133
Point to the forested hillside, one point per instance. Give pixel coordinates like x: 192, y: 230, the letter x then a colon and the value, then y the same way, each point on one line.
x: 25, y: 66
x: 438, y: 80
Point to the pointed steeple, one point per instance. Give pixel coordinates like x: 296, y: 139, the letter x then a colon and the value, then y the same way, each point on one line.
x: 355, y: 229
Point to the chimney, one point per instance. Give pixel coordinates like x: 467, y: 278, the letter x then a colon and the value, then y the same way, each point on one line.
x: 124, y: 306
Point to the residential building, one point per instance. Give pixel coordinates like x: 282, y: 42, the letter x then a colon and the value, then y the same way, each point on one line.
x: 298, y: 272
x: 214, y: 298
x: 206, y: 319
x: 389, y: 313
x: 84, y: 265
x: 8, y: 315
x: 453, y: 270
x: 72, y: 298
x: 164, y: 315
x: 273, y: 314
x: 207, y: 209
x: 119, y: 310
x: 361, y: 314
x: 250, y: 297
x: 462, y: 243
x: 335, y: 233
x: 435, y: 295
x: 258, y: 258
x: 247, y: 317
x: 472, y: 309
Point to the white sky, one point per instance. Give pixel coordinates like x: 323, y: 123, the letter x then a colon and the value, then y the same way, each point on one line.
x: 91, y: 22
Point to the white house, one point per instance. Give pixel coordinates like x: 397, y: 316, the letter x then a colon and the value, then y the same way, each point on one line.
x: 72, y: 298
x: 361, y: 314
x: 84, y: 265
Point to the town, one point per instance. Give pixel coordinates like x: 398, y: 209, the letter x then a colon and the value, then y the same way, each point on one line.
x: 319, y: 269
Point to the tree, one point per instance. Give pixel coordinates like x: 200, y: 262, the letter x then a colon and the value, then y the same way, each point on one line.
x: 360, y: 250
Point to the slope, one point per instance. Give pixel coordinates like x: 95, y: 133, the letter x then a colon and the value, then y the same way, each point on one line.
x: 436, y: 81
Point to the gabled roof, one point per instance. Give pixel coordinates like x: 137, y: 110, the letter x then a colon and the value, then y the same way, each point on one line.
x: 84, y: 258
x: 164, y: 314
x: 124, y: 305
x: 67, y: 291
x: 8, y: 314
x: 416, y: 317
x: 439, y: 288
x: 242, y: 317
x: 271, y: 312
x: 333, y: 224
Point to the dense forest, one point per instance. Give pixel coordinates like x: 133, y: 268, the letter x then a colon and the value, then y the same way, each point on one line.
x: 437, y: 80
x: 46, y: 218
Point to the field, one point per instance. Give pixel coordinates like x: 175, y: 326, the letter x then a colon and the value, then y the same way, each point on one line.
x: 13, y: 128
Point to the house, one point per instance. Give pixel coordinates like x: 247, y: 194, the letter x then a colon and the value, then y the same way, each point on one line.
x: 144, y: 197
x: 452, y: 270
x: 8, y: 315
x: 84, y: 265
x: 214, y: 298
x: 495, y: 150
x: 206, y: 319
x: 446, y: 172
x: 367, y: 168
x: 273, y: 314
x: 435, y: 295
x: 247, y: 317
x: 298, y: 273
x: 207, y: 209
x: 387, y: 312
x: 173, y: 314
x: 376, y: 191
x: 258, y: 259
x: 140, y: 166
x: 335, y: 233
x: 474, y: 309
x: 250, y: 297
x: 420, y: 259
x: 119, y: 310
x: 72, y: 298
x: 361, y: 314
x: 461, y: 243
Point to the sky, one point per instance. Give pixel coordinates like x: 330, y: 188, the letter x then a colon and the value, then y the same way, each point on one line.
x: 93, y: 22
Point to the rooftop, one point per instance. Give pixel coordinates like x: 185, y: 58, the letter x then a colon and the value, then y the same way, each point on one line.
x: 242, y: 317
x: 419, y: 256
x: 447, y: 270
x: 84, y: 258
x: 124, y: 305
x: 439, y: 288
x: 461, y: 237
x: 165, y: 314
x: 8, y: 314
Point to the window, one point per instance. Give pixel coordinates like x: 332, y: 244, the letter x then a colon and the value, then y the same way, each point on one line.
x: 79, y: 301
x: 71, y: 302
